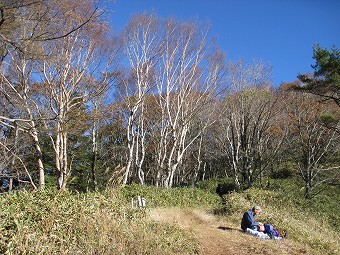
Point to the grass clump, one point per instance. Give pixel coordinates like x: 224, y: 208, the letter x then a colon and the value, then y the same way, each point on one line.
x: 52, y: 222
x: 178, y: 196
x: 302, y: 225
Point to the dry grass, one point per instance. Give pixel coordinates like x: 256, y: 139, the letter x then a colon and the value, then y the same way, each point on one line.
x: 302, y: 227
x: 49, y: 222
x: 219, y: 236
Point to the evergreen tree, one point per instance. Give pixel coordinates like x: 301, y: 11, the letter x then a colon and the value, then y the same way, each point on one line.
x: 326, y: 79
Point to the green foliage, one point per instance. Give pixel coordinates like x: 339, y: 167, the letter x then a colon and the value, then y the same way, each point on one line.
x: 322, y: 205
x: 330, y: 120
x: 211, y: 185
x: 283, y: 171
x: 179, y: 196
x: 326, y: 80
x: 327, y: 63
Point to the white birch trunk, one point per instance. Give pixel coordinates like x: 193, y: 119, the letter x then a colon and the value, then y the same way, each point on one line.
x: 131, y: 144
x: 94, y: 155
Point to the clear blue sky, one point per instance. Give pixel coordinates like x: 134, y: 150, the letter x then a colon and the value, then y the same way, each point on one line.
x: 280, y: 32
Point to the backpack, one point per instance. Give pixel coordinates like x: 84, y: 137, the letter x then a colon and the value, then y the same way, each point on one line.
x: 271, y: 231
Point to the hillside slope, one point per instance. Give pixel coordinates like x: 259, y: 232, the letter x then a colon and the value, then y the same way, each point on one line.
x: 219, y: 237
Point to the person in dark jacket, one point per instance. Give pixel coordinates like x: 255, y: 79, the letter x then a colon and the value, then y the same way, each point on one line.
x: 248, y: 220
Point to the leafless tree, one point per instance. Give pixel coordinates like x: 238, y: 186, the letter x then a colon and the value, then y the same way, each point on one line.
x: 313, y: 145
x: 142, y: 44
x: 188, y: 75
x: 246, y: 120
x: 20, y: 94
x: 175, y: 71
x: 41, y: 20
x: 72, y: 74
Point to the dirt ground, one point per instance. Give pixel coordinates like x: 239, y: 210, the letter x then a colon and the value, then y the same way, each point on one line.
x: 217, y: 237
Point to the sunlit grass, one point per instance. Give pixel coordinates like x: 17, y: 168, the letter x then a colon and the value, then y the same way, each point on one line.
x: 49, y: 222
x: 301, y: 224
x: 53, y: 222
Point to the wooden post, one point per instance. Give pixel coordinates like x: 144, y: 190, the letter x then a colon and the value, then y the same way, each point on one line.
x: 138, y: 201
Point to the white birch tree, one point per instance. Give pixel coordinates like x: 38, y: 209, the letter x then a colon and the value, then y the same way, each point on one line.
x: 72, y: 73
x: 142, y: 43
x: 19, y: 91
x: 186, y: 82
x: 246, y: 119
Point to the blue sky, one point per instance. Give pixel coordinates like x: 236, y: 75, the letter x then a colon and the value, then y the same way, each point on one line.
x: 280, y: 32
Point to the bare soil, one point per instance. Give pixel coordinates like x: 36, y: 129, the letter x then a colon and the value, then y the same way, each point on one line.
x: 217, y: 236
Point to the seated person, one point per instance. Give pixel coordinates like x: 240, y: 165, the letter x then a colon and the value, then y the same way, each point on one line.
x: 248, y: 220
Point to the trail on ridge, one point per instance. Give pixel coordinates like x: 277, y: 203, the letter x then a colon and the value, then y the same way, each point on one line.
x: 219, y: 237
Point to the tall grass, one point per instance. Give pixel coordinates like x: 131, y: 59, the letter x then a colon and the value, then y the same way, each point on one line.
x: 324, y: 204
x: 178, y: 196
x: 50, y: 222
x: 303, y: 225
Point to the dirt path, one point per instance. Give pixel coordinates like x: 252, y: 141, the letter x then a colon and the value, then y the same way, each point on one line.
x: 217, y: 237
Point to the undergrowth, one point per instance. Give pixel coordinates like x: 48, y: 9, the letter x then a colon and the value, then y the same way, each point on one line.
x: 53, y: 222
x: 162, y: 197
x: 50, y: 222
x: 314, y: 222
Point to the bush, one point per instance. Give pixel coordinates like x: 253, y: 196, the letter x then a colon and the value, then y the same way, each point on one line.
x: 210, y: 185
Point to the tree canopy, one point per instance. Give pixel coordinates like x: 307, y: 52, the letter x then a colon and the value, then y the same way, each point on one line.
x: 326, y: 79
x: 157, y: 104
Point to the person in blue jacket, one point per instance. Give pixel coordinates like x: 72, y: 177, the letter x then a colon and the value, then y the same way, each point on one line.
x: 248, y: 220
